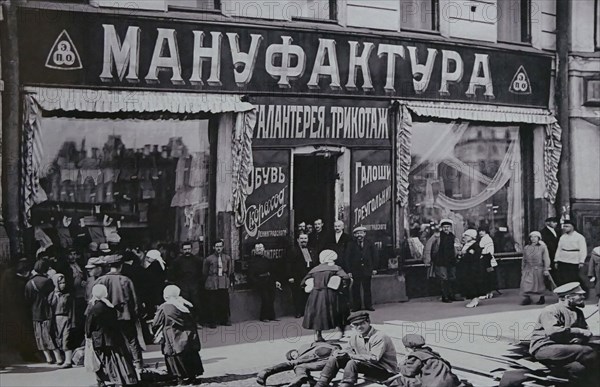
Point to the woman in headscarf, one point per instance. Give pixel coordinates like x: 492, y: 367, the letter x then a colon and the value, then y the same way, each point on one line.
x: 37, y: 292
x: 62, y: 304
x: 534, y: 267
x: 155, y: 275
x: 325, y: 308
x: 473, y: 268
x: 116, y: 363
x: 487, y: 253
x: 180, y: 343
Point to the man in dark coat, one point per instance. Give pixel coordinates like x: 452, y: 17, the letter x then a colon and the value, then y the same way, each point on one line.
x: 299, y: 262
x: 218, y: 269
x: 318, y: 239
x: 121, y: 293
x: 550, y: 237
x: 339, y: 240
x: 444, y: 260
x: 186, y: 273
x: 361, y: 259
x: 262, y: 273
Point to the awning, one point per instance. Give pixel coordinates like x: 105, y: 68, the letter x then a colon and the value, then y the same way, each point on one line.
x: 479, y: 112
x: 139, y: 101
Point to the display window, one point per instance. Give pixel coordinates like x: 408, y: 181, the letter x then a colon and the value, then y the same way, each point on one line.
x: 124, y: 180
x: 470, y: 173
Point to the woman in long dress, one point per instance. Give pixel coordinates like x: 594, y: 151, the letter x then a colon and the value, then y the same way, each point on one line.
x: 326, y: 308
x: 116, y: 363
x: 473, y: 267
x: 535, y: 266
x: 180, y: 343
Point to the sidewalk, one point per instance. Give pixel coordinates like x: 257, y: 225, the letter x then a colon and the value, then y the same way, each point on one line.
x: 233, y: 355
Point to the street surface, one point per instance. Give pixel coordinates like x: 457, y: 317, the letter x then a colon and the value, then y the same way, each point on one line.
x: 471, y: 339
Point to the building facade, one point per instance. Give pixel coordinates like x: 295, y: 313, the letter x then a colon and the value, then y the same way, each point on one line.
x: 196, y: 120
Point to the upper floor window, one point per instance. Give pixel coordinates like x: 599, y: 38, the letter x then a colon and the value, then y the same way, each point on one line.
x: 281, y: 9
x: 419, y: 14
x: 203, y: 5
x: 514, y: 21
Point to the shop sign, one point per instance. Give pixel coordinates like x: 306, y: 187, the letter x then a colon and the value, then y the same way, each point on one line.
x: 303, y: 121
x: 125, y: 51
x: 268, y: 201
x: 371, y: 194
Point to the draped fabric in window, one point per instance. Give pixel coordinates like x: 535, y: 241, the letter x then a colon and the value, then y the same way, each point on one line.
x: 469, y: 173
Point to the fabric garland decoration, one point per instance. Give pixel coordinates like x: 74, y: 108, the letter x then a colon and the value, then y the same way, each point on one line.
x: 403, y: 153
x: 243, y: 164
x: 552, y: 152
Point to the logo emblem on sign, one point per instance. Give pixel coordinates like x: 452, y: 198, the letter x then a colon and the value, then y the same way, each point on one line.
x: 63, y: 54
x: 520, y: 83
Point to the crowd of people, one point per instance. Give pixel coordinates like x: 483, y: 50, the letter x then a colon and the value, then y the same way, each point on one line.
x: 110, y: 302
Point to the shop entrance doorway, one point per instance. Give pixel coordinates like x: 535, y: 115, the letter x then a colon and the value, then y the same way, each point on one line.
x: 314, y: 189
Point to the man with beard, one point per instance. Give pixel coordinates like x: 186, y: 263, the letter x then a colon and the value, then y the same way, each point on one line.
x: 560, y: 339
x: 318, y: 239
x: 186, y: 273
x: 299, y: 263
x: 444, y: 260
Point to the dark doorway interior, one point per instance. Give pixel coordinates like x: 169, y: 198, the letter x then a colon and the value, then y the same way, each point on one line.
x: 314, y: 189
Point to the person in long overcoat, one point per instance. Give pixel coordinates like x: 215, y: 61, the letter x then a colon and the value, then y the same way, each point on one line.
x: 473, y: 267
x: 299, y: 262
x: 550, y: 236
x: 180, y: 343
x: 325, y: 308
x: 534, y: 267
x: 218, y: 269
x: 116, y: 366
x: 594, y: 270
x: 37, y: 292
x: 361, y: 262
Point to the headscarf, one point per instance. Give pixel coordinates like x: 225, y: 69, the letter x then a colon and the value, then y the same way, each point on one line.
x: 56, y: 278
x: 99, y: 293
x: 537, y: 234
x: 171, y: 294
x: 154, y: 255
x: 328, y: 257
x: 471, y: 233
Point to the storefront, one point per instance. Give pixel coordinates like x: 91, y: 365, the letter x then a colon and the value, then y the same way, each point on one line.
x: 375, y: 130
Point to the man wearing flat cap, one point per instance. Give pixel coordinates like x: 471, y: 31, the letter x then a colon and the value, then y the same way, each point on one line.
x: 443, y: 258
x: 550, y: 236
x: 360, y: 263
x: 570, y: 255
x: 370, y: 352
x: 561, y: 337
x: 121, y: 293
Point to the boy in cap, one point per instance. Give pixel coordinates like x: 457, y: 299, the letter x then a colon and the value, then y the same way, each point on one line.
x: 561, y: 336
x: 423, y: 367
x: 370, y: 352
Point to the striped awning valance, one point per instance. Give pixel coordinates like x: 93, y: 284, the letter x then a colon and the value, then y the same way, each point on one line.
x: 138, y: 101
x: 480, y: 112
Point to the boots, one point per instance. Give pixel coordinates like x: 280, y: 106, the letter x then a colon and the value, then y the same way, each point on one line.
x: 261, y: 377
x: 526, y: 301
x: 542, y: 300
x: 446, y: 295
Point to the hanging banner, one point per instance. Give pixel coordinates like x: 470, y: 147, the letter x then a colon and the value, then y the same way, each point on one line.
x: 371, y: 194
x: 268, y: 202
x: 118, y: 50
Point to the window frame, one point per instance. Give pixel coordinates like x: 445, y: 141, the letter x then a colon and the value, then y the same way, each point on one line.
x: 435, y: 20
x: 525, y: 24
x: 216, y: 8
x: 597, y: 26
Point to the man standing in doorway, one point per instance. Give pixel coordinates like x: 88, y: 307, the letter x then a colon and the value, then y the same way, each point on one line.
x: 262, y: 272
x: 550, y: 237
x: 340, y: 240
x: 570, y: 255
x: 318, y: 239
x: 217, y: 270
x: 186, y: 273
x: 361, y: 261
x: 299, y: 263
x: 444, y: 260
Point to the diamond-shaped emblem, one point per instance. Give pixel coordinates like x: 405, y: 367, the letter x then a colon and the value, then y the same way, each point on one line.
x: 63, y: 54
x: 520, y: 83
